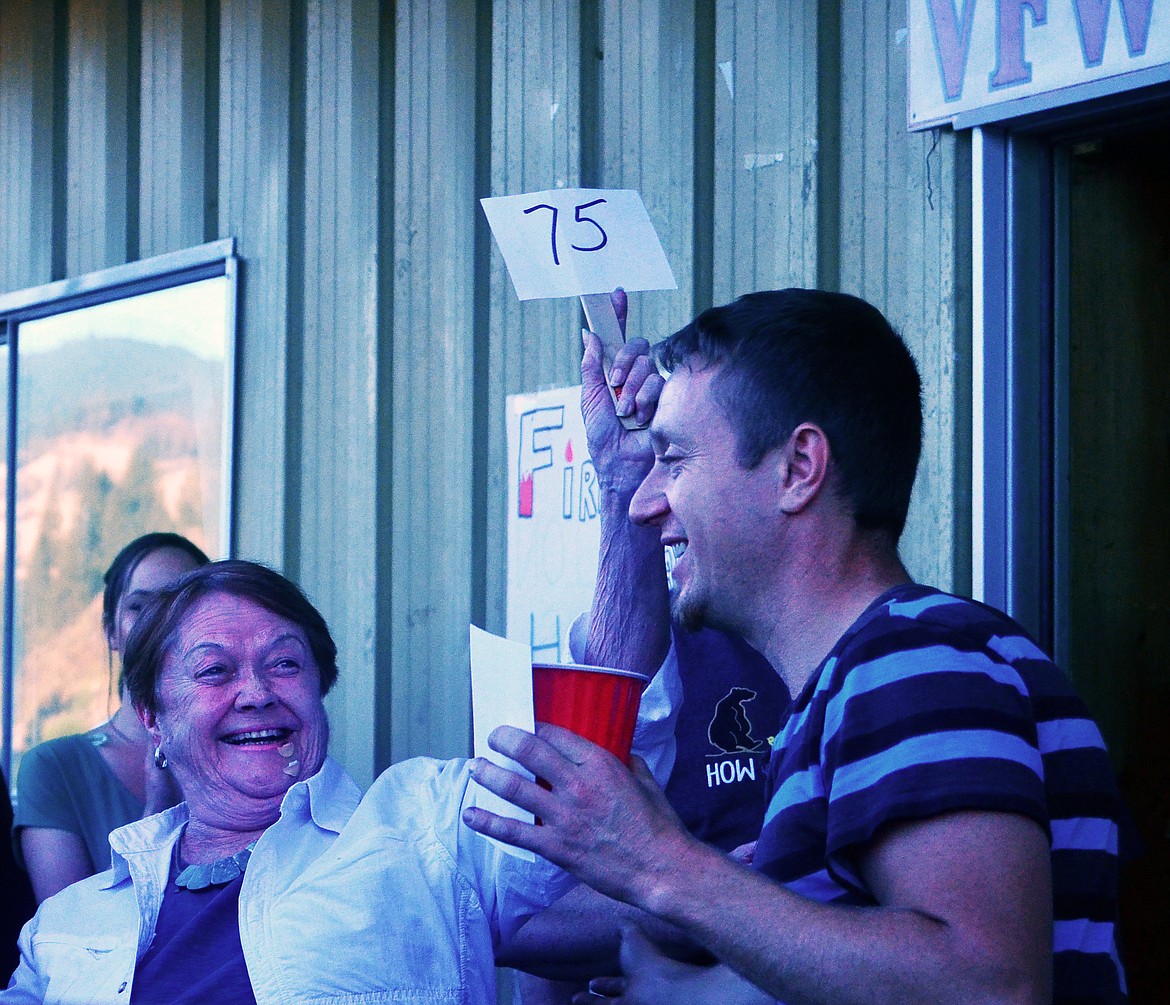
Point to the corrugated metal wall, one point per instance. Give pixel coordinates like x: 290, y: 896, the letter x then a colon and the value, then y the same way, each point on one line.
x: 345, y: 144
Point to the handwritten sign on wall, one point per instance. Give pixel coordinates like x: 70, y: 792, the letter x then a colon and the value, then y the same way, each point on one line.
x: 571, y: 241
x: 553, y: 531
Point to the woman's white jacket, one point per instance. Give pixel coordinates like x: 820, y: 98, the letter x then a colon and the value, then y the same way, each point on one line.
x: 388, y: 897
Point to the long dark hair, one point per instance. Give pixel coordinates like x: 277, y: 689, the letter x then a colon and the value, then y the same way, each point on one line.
x: 117, y: 576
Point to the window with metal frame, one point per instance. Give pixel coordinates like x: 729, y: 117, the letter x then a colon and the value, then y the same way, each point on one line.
x: 118, y: 389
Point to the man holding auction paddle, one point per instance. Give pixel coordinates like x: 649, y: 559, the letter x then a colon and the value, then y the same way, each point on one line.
x: 942, y: 819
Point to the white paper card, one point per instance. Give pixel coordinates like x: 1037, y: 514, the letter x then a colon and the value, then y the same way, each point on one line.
x: 501, y: 695
x: 570, y: 241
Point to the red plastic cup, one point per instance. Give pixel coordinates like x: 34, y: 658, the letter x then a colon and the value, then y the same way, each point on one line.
x: 598, y: 703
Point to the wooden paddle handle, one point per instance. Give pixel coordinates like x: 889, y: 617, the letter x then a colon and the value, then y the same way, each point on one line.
x: 603, y: 323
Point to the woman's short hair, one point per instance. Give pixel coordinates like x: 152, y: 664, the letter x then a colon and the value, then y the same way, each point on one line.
x: 117, y: 576
x: 159, y: 624
x: 792, y: 356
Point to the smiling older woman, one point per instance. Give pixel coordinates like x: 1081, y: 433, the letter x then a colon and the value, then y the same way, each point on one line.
x: 271, y: 883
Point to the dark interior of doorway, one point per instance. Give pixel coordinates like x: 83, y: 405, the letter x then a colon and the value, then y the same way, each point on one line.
x: 1119, y: 495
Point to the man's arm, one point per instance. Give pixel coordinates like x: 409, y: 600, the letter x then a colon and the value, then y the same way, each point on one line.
x: 965, y: 903
x: 579, y: 936
x: 628, y: 628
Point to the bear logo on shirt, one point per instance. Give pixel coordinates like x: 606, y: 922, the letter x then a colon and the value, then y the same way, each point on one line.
x: 731, y: 729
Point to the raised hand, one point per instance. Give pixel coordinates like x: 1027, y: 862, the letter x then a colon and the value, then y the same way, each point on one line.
x: 621, y: 456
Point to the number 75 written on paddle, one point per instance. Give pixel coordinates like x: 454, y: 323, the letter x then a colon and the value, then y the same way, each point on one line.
x: 569, y: 242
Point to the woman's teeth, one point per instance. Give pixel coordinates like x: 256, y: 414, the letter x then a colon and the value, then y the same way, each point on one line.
x: 258, y: 736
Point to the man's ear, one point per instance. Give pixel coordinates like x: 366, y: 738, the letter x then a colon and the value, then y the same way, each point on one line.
x: 806, y: 458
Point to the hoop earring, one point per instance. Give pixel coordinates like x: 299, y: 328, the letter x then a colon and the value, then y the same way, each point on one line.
x: 160, y: 759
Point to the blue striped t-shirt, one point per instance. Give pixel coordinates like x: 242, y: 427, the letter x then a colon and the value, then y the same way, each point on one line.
x: 928, y: 704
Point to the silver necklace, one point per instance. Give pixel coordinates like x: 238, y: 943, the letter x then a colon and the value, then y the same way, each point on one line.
x: 218, y: 873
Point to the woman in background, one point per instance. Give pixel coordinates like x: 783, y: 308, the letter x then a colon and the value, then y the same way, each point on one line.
x: 74, y: 790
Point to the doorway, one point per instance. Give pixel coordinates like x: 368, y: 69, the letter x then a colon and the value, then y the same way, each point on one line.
x: 1114, y: 620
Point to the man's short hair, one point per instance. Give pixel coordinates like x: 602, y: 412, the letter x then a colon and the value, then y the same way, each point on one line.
x: 792, y: 356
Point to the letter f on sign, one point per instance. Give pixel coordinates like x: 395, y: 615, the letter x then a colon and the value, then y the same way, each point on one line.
x: 1011, y: 66
x: 535, y: 456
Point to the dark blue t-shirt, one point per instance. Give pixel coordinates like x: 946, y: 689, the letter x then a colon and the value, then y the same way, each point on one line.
x: 196, y: 957
x: 732, y: 705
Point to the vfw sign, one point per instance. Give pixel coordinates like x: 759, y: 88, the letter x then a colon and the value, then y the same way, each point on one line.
x: 979, y: 60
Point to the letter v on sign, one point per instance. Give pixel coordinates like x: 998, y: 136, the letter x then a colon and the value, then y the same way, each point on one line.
x: 951, y: 30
